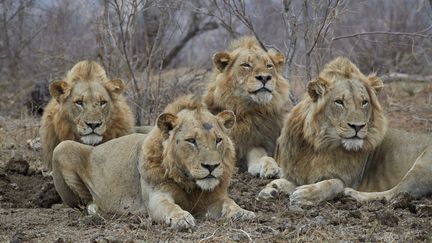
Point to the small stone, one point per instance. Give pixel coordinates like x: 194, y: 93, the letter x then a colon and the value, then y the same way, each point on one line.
x: 320, y: 220
x: 14, y: 186
x: 34, y: 144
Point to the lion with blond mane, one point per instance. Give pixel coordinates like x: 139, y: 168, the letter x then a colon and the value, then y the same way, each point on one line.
x: 336, y: 140
x: 182, y: 167
x: 247, y: 80
x: 86, y: 107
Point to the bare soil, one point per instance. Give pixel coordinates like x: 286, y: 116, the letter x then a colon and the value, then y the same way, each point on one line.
x: 31, y: 211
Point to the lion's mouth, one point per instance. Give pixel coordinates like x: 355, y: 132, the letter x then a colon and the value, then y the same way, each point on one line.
x: 91, y: 139
x: 355, y: 137
x: 209, y: 176
x: 262, y: 89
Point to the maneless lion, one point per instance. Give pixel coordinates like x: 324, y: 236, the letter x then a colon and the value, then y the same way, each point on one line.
x: 182, y: 167
x: 86, y: 107
x: 337, y: 139
x: 247, y: 80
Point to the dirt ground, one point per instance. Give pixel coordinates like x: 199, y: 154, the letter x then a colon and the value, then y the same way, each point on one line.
x: 30, y: 210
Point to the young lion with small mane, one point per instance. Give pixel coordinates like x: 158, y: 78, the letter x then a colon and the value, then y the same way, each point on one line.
x: 247, y: 80
x: 86, y: 107
x: 337, y: 139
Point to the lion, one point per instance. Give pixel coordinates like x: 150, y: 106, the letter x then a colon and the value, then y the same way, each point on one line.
x: 336, y: 140
x: 182, y: 167
x: 247, y: 79
x: 87, y: 107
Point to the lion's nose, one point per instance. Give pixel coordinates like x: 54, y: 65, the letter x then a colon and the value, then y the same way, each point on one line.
x: 93, y: 125
x: 210, y: 167
x: 263, y: 78
x: 356, y: 126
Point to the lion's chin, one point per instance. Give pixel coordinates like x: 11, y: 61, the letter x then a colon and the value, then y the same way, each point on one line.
x: 208, y: 184
x: 262, y: 97
x: 352, y: 144
x: 91, y: 139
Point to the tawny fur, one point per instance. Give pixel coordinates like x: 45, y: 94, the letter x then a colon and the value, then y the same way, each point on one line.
x: 159, y: 167
x: 302, y: 148
x: 258, y: 125
x: 57, y: 124
x: 316, y: 162
x: 158, y: 172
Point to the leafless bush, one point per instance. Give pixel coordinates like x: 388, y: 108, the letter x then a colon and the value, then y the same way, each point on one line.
x: 142, y: 40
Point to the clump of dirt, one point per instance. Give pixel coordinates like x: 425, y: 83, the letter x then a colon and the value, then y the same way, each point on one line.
x: 18, y: 166
x: 21, y: 187
x: 387, y: 218
x: 46, y: 197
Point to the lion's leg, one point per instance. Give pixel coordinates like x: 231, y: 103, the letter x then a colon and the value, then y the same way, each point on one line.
x: 227, y: 208
x: 260, y: 164
x: 417, y: 181
x: 314, y: 193
x: 69, y: 159
x: 276, y: 187
x: 162, y: 208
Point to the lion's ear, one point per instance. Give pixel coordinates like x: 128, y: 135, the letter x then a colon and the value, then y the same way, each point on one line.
x: 221, y: 60
x: 227, y: 118
x: 375, y: 82
x: 316, y: 88
x: 59, y: 89
x: 115, y: 86
x: 277, y: 57
x: 166, y: 122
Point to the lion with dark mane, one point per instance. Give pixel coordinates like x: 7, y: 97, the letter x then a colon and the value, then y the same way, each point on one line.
x: 336, y: 140
x: 86, y: 107
x: 182, y: 168
x: 247, y: 80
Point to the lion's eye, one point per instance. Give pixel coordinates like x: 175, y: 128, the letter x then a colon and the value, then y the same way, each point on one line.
x: 103, y: 103
x: 246, y: 65
x: 269, y: 66
x: 339, y: 102
x: 79, y: 103
x: 218, y: 140
x: 191, y: 140
x: 365, y: 102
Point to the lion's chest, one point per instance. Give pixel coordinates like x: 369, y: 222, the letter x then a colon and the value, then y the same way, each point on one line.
x: 308, y: 168
x: 257, y: 130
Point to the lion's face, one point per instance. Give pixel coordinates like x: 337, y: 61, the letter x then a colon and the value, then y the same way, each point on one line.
x: 88, y: 106
x: 349, y: 112
x: 347, y: 108
x: 198, y: 145
x: 254, y: 73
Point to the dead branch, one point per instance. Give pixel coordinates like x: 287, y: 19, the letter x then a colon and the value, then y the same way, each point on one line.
x: 238, y: 8
x: 192, y: 32
x: 405, y: 77
x: 382, y: 33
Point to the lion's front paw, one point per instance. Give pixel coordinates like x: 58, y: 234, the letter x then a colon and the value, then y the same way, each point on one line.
x: 233, y: 211
x: 241, y: 214
x: 306, y: 195
x: 268, y: 193
x: 276, y: 187
x: 181, y: 220
x: 265, y: 168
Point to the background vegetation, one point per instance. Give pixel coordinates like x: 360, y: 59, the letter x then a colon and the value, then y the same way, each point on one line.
x: 163, y: 48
